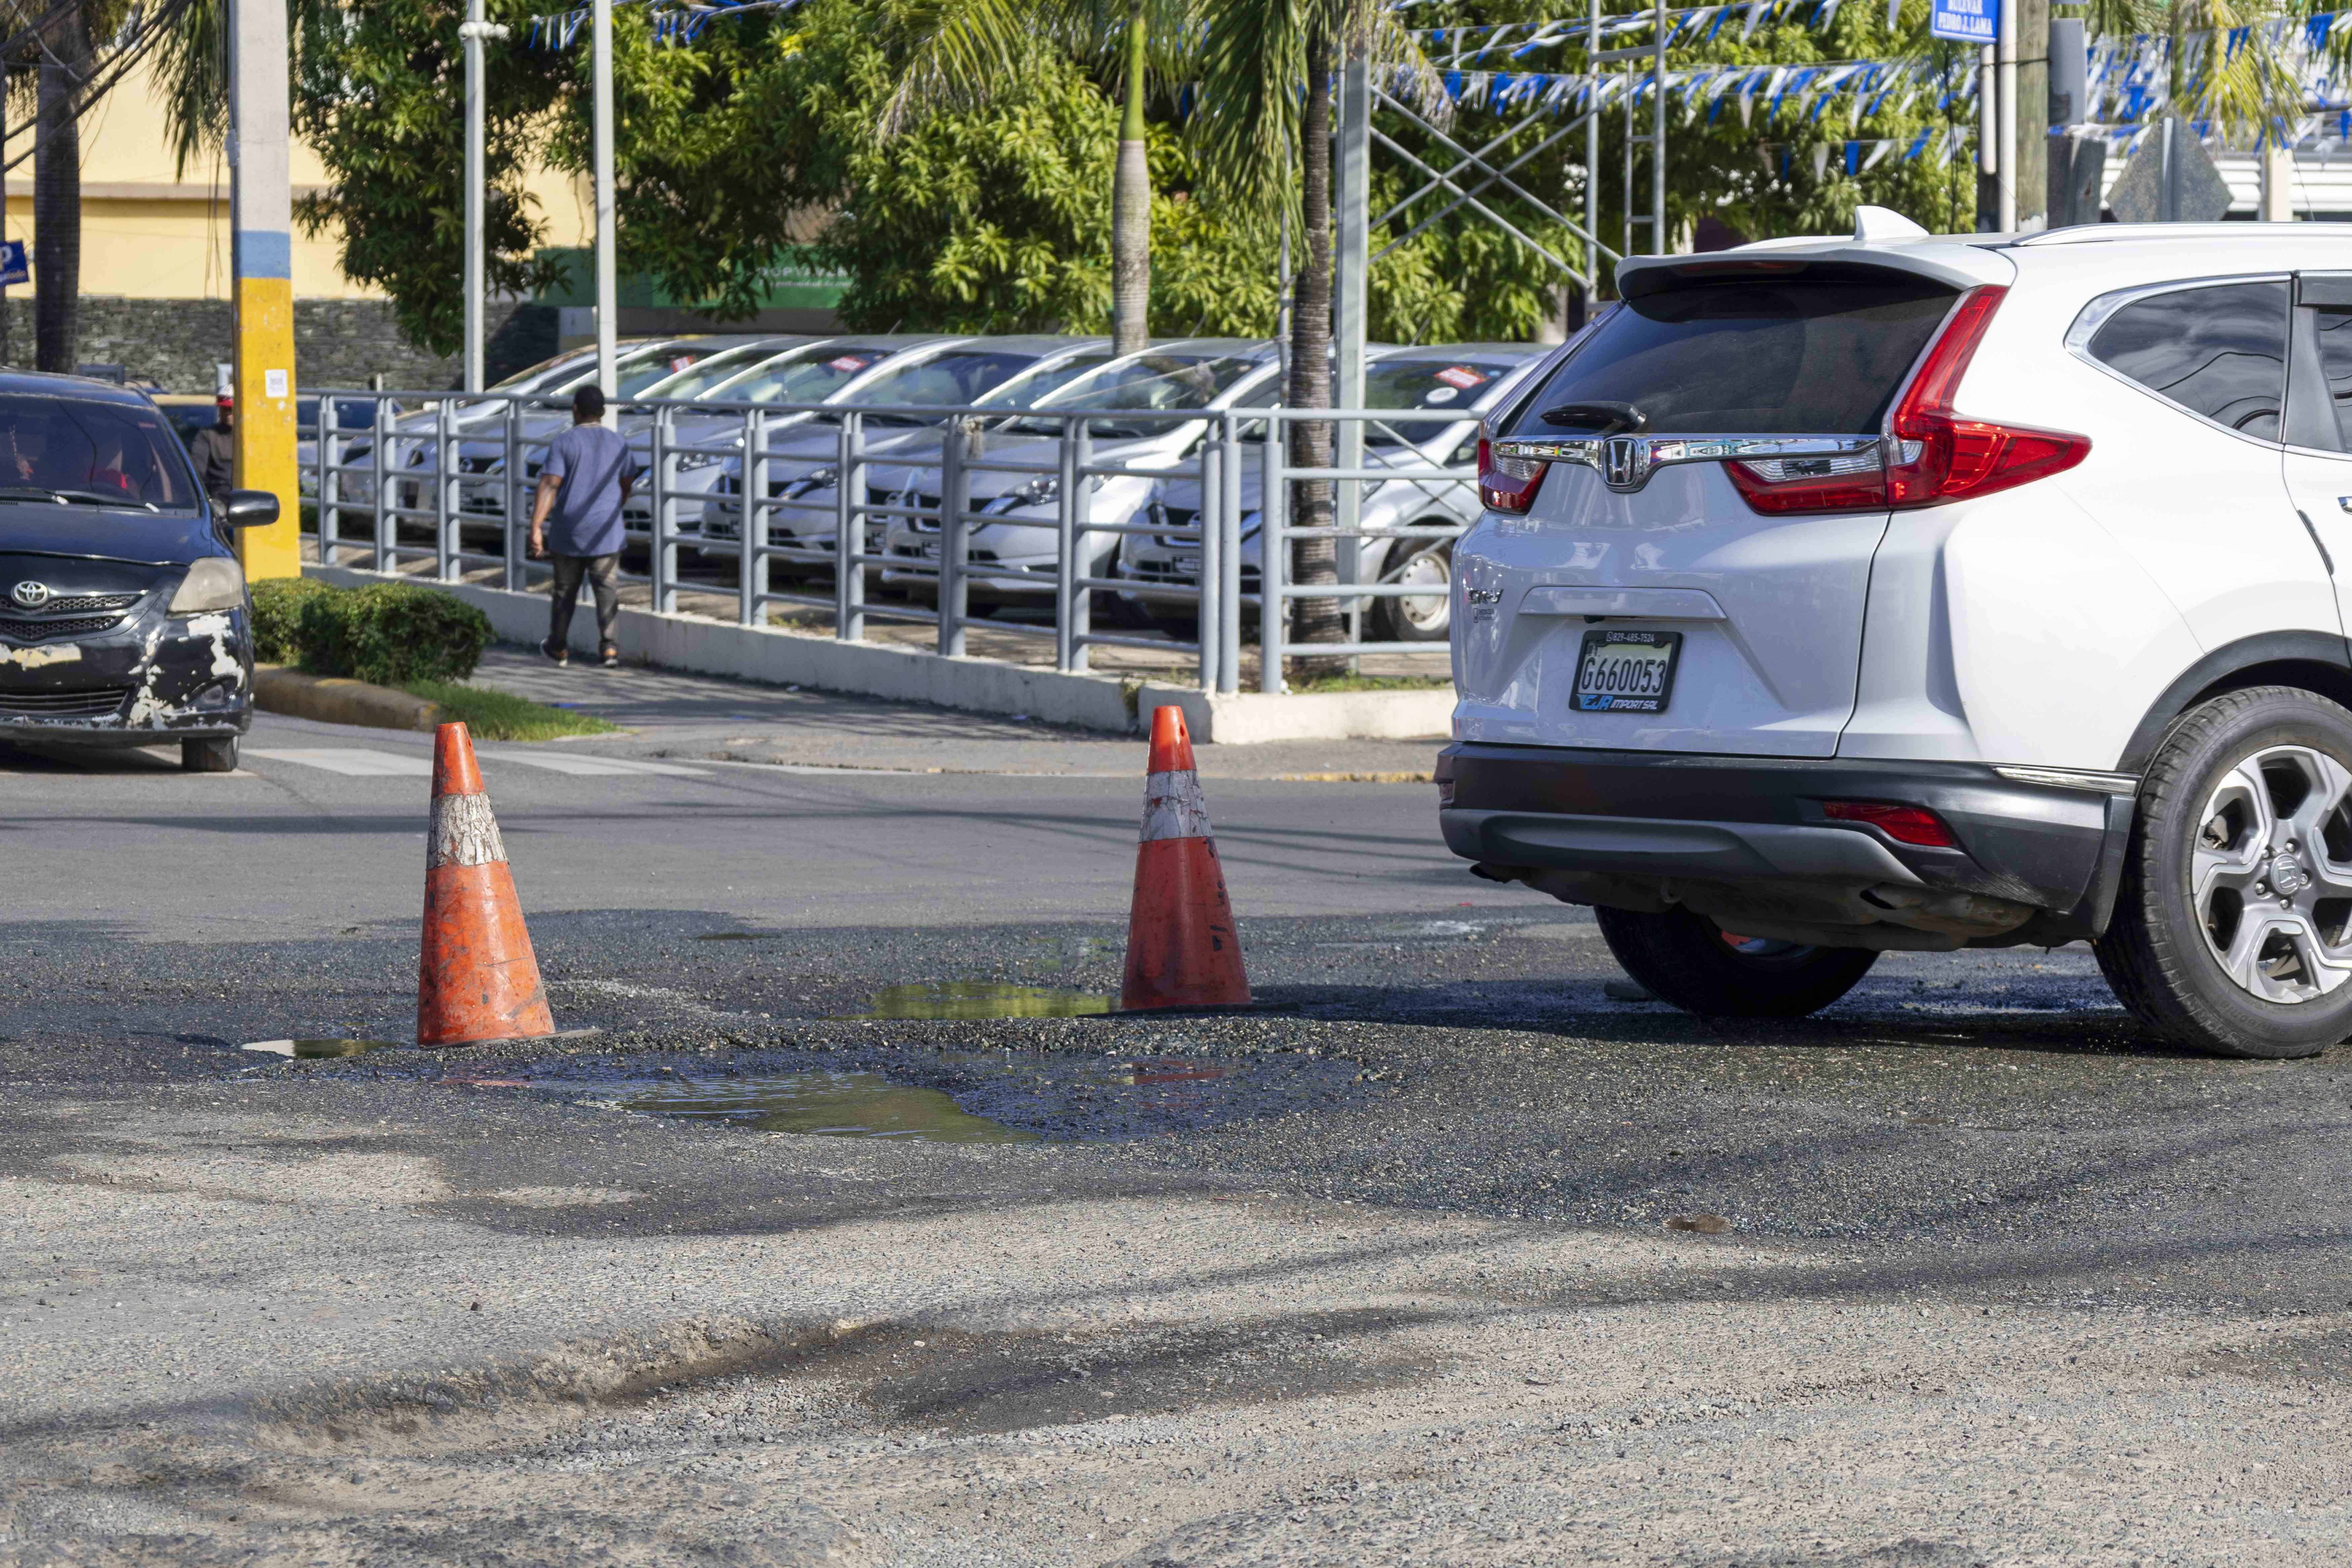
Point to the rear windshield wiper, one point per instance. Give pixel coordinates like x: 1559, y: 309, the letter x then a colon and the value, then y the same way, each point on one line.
x: 1602, y: 419
x: 68, y: 498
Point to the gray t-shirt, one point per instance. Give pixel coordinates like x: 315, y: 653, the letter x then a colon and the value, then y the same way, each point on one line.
x: 586, y: 519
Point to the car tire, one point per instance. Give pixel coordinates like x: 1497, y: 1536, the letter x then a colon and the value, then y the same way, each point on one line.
x: 218, y: 756
x: 2215, y: 841
x: 1687, y: 958
x: 1420, y: 620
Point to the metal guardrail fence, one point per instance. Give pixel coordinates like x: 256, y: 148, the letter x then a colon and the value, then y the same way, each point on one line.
x: 466, y: 466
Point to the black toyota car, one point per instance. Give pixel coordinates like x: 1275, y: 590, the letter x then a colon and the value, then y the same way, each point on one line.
x: 123, y: 615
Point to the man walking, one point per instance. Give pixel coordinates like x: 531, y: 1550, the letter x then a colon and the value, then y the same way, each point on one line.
x: 581, y: 489
x: 214, y: 450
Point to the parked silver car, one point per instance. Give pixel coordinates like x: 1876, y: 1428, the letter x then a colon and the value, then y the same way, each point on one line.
x: 1187, y: 376
x: 1009, y: 373
x: 1467, y: 378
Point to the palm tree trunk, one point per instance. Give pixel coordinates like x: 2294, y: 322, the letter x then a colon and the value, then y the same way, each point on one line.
x: 1130, y: 207
x: 1314, y: 561
x: 57, y: 196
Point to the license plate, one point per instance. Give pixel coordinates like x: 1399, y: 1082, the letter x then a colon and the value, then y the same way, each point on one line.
x: 1626, y: 671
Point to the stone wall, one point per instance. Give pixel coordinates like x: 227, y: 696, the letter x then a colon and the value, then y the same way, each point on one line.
x: 337, y: 342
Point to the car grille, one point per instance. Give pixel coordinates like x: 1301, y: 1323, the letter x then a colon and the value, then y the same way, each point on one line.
x: 20, y: 630
x: 81, y: 603
x: 1176, y: 517
x: 921, y: 524
x: 95, y: 702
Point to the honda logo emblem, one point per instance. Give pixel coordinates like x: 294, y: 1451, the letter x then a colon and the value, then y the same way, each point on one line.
x: 1624, y: 462
x: 30, y: 594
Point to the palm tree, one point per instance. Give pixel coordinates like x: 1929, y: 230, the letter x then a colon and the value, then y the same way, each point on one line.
x: 967, y: 50
x: 1266, y: 75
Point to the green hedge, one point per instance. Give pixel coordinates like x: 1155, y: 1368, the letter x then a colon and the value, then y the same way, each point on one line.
x: 387, y: 633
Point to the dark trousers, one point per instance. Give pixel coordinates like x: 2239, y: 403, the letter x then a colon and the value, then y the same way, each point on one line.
x: 599, y: 570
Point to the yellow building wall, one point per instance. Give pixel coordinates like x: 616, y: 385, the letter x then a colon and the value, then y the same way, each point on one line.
x: 148, y: 232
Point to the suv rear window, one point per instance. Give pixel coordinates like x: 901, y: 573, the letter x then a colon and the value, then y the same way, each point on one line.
x: 1807, y: 355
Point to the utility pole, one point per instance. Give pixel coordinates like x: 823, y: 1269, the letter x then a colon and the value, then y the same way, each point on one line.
x: 475, y: 32
x: 608, y: 286
x: 2005, y: 120
x: 261, y: 211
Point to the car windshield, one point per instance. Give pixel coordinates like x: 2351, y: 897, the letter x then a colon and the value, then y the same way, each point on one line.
x: 350, y: 414
x: 90, y: 451
x: 711, y: 370
x: 804, y: 375
x: 1173, y: 381
x: 521, y: 380
x: 1023, y: 391
x: 1821, y: 353
x: 634, y: 371
x: 956, y: 377
x: 1433, y: 383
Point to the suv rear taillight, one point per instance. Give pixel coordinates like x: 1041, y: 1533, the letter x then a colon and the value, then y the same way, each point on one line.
x: 1507, y: 484
x: 1931, y: 454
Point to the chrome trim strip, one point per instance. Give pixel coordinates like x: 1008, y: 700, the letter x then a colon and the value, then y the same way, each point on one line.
x: 1640, y: 456
x: 2073, y: 778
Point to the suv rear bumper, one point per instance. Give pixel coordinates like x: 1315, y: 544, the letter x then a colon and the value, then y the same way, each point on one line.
x: 1747, y: 839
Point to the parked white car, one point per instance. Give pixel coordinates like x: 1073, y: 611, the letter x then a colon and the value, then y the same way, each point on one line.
x: 1463, y: 378
x: 1190, y: 374
x: 1837, y: 595
x: 803, y: 462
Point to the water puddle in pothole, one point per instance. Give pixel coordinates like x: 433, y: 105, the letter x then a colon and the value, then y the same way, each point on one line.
x: 971, y: 999
x: 306, y: 1050
x: 829, y: 1104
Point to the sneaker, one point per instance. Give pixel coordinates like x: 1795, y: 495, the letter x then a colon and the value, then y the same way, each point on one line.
x: 611, y: 657
x: 559, y: 654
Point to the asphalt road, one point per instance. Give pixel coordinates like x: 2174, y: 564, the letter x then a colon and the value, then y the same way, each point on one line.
x: 1398, y: 1268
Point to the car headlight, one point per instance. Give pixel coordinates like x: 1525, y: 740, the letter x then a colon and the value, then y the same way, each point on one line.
x: 688, y: 461
x: 212, y: 584
x: 1042, y: 491
x: 817, y: 480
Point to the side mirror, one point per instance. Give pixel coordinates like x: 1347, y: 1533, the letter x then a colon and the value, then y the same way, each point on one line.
x: 249, y: 509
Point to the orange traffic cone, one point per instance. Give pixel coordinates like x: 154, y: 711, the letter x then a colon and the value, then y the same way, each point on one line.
x: 477, y: 980
x: 1182, y: 947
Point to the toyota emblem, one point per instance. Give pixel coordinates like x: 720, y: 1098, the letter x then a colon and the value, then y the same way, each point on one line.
x: 30, y: 594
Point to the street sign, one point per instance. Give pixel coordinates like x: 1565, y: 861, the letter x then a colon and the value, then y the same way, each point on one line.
x: 1965, y: 21
x: 2171, y: 179
x: 14, y: 266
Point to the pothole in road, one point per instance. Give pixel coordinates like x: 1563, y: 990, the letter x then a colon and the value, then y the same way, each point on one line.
x: 832, y: 1104
x: 965, y: 1096
x: 309, y: 1050
x: 974, y: 999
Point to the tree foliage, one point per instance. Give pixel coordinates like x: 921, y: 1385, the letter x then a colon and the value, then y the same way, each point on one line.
x: 379, y: 91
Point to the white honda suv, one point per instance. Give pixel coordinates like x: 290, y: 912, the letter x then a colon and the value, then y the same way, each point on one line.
x: 1839, y: 595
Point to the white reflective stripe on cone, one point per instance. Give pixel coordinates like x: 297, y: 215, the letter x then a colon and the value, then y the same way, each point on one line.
x: 1173, y: 806
x: 464, y: 833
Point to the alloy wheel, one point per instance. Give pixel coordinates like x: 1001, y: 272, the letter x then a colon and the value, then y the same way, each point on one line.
x: 2271, y: 874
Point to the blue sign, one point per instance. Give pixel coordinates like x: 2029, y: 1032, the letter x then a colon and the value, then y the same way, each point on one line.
x: 1965, y: 21
x: 14, y: 267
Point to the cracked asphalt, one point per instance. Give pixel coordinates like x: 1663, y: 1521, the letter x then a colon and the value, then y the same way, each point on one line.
x: 1397, y: 1269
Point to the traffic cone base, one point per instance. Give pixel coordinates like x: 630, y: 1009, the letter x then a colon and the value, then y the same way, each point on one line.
x: 1182, y: 950
x: 477, y: 980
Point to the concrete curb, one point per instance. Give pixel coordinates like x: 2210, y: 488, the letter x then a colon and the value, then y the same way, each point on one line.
x: 331, y: 699
x: 780, y: 657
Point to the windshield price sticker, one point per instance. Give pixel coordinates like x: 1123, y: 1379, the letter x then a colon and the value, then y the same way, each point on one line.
x: 1461, y: 376
x: 1626, y: 671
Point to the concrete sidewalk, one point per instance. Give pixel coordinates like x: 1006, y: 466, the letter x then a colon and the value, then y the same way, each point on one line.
x: 674, y: 715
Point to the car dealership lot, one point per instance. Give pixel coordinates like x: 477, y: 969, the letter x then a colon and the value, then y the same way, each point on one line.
x: 1380, y: 1273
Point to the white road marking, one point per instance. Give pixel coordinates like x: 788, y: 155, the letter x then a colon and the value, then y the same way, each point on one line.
x: 589, y: 767
x: 355, y: 762
x: 358, y: 761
